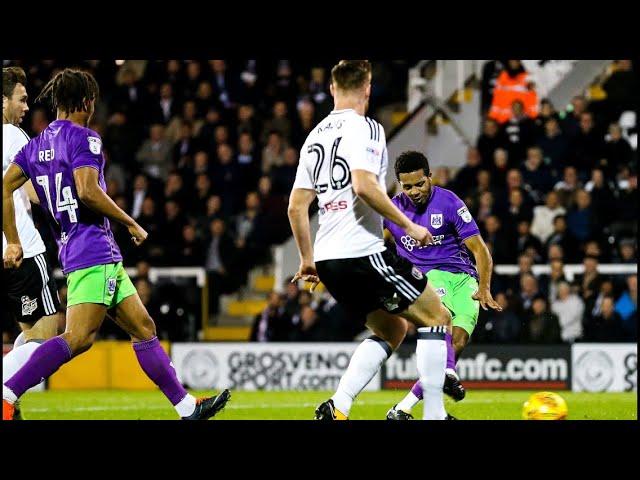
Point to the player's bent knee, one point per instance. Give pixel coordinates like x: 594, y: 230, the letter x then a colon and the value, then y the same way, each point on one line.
x: 145, y: 331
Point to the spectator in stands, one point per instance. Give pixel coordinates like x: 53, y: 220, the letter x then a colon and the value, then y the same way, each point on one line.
x: 519, y: 131
x: 551, y: 283
x: 503, y: 327
x: 165, y: 107
x: 491, y: 138
x: 224, y: 85
x: 547, y: 112
x: 483, y: 183
x: 201, y: 163
x: 513, y: 84
x: 626, y: 251
x: 594, y: 306
x: 580, y: 217
x: 569, y: 308
x: 517, y: 211
x: 627, y: 307
x: 626, y: 218
x: 191, y: 253
x: 485, y: 207
x: 571, y: 122
x: 621, y: 89
x: 568, y: 186
x: 186, y: 145
x: 490, y: 72
x: 122, y: 138
x: 197, y: 204
x: 171, y: 229
x: 247, y: 121
x: 616, y: 151
x: 442, y: 177
x: 174, y: 189
x: 514, y: 182
x: 248, y: 159
x: 305, y: 122
x: 291, y: 295
x: 251, y: 233
x: 466, y: 177
x: 586, y: 147
x: 602, y: 197
x: 142, y: 269
x: 272, y: 324
x: 535, y: 174
x: 543, y: 215
x: 204, y: 97
x: 39, y: 121
x: 273, y: 152
x: 284, y: 175
x: 529, y: 290
x: 311, y: 327
x: 501, y: 246
x: 607, y: 326
x: 205, y: 136
x: 149, y: 219
x: 274, y: 208
x: 525, y: 267
x: 226, y: 180
x: 554, y: 145
x: 155, y: 153
x: 542, y: 325
x: 220, y: 264
x: 500, y: 167
x: 587, y: 284
x: 555, y: 252
x: 278, y: 122
x: 527, y: 243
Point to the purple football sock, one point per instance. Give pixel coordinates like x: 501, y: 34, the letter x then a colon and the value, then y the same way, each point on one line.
x: 451, y: 363
x: 451, y: 353
x: 44, y: 362
x: 156, y: 364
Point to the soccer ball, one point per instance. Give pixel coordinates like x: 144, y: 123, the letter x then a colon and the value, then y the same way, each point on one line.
x: 545, y: 406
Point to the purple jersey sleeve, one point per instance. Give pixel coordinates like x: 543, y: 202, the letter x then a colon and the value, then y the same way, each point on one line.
x: 21, y: 160
x: 461, y: 218
x: 87, y: 151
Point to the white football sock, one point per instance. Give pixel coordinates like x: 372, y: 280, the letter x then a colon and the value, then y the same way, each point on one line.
x: 364, y: 364
x: 431, y: 354
x: 186, y: 406
x: 408, y: 402
x: 16, y: 358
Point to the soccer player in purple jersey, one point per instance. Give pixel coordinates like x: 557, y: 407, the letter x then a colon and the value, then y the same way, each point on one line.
x: 462, y: 285
x: 66, y: 164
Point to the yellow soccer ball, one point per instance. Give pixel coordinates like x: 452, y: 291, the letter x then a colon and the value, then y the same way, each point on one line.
x: 545, y: 406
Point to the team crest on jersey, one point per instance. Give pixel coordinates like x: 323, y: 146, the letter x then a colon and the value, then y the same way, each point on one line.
x: 416, y: 273
x: 111, y: 286
x: 436, y: 220
x: 95, y: 145
x: 464, y: 214
x: 441, y: 292
x: 28, y: 306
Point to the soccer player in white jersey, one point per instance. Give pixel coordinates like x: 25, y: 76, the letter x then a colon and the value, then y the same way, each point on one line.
x: 31, y: 292
x: 343, y: 163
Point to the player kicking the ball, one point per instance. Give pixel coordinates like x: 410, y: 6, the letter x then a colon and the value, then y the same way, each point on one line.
x: 445, y: 261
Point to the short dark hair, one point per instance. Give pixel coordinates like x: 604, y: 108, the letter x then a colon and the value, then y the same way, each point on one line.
x: 11, y: 76
x: 351, y: 74
x: 69, y: 90
x: 411, y: 161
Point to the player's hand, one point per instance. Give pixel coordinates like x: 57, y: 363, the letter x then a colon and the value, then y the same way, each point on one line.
x: 420, y: 234
x: 13, y: 255
x: 308, y: 273
x: 138, y: 234
x: 483, y: 295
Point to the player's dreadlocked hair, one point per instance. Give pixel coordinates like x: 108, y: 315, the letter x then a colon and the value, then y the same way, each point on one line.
x: 351, y: 74
x: 11, y: 76
x: 69, y: 90
x: 411, y: 161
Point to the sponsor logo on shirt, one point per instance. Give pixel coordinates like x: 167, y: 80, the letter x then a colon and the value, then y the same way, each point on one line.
x: 28, y: 306
x: 464, y: 214
x: 409, y: 243
x: 436, y: 220
x: 95, y: 145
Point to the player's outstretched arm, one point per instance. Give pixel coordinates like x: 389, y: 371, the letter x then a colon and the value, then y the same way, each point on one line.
x: 484, y: 262
x: 96, y: 199
x: 366, y: 186
x: 13, y: 180
x: 298, y: 212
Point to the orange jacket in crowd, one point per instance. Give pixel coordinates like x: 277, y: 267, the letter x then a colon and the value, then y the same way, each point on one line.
x: 507, y: 90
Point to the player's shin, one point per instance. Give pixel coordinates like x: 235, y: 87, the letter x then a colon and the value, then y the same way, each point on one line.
x: 431, y: 354
x: 155, y: 362
x: 364, y: 364
x: 43, y: 362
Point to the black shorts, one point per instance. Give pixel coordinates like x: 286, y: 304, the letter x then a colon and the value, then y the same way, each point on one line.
x: 31, y: 290
x: 380, y: 281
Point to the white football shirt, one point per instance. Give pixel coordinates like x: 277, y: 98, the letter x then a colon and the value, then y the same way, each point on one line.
x: 13, y: 139
x: 342, y: 142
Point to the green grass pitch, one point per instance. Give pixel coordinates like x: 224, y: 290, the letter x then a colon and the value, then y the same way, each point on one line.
x: 478, y: 405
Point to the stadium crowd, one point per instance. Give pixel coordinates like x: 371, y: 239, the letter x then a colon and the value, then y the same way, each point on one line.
x: 203, y: 155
